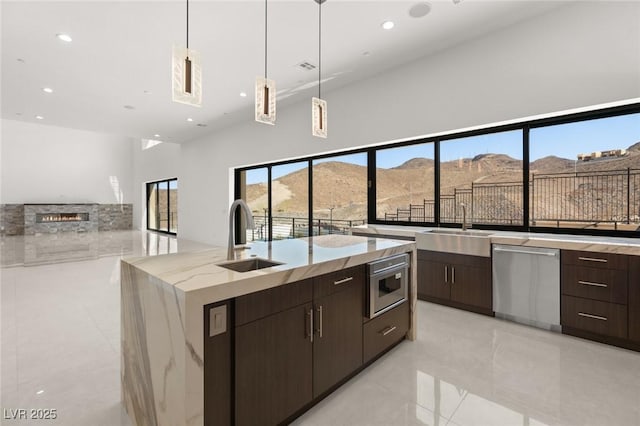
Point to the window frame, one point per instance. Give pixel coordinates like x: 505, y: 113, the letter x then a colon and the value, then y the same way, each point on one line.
x: 148, y: 186
x: 525, y: 126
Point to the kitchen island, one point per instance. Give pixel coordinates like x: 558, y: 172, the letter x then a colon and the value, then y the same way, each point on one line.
x: 163, y: 313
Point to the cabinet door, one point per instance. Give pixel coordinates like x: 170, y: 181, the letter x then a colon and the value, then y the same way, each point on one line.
x: 471, y: 285
x: 634, y: 298
x: 337, y: 344
x: 433, y: 280
x: 273, y: 367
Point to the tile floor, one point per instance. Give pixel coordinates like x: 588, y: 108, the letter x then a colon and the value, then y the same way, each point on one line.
x: 60, y: 335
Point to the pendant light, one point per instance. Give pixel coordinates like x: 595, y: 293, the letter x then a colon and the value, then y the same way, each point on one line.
x: 186, y: 73
x: 318, y: 105
x: 265, y: 88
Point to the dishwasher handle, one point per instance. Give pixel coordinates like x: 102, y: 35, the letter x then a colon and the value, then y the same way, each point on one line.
x: 536, y: 253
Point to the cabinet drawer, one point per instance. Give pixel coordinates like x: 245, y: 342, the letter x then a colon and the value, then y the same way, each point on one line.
x: 594, y: 259
x: 385, y: 330
x: 258, y: 305
x: 607, y: 285
x: 598, y: 317
x: 334, y: 282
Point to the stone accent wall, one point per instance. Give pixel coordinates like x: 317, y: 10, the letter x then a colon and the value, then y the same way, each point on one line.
x: 11, y: 219
x: 32, y: 228
x: 20, y: 219
x: 114, y: 217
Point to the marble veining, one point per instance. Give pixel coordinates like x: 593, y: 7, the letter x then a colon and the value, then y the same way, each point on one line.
x: 162, y: 312
x: 619, y: 245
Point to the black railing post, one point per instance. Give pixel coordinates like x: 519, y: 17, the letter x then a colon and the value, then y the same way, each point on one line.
x: 628, y: 195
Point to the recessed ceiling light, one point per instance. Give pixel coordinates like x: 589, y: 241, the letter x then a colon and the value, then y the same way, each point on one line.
x: 202, y: 124
x: 18, y: 113
x: 39, y: 117
x: 457, y: 1
x: 387, y: 25
x: 40, y: 392
x: 129, y: 107
x: 189, y: 119
x: 64, y: 37
x: 243, y: 94
x: 366, y: 53
x: 47, y: 89
x: 147, y: 92
x: 419, y: 10
x: 156, y: 135
x: 20, y: 60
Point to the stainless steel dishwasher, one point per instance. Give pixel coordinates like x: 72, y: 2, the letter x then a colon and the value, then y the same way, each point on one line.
x: 526, y: 285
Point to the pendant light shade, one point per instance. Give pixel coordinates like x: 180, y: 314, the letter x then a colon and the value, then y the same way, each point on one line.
x: 265, y: 101
x: 318, y: 105
x: 186, y: 76
x: 319, y: 116
x: 265, y: 88
x: 186, y: 73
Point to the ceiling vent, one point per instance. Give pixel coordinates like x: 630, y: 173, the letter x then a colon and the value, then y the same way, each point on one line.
x: 306, y: 66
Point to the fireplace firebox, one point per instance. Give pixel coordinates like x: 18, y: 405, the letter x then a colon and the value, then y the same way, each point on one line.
x: 61, y: 217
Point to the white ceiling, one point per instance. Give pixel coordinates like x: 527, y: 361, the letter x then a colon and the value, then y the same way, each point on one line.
x: 121, y: 49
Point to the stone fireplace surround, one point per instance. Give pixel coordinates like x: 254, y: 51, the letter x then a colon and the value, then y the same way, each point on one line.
x: 21, y: 219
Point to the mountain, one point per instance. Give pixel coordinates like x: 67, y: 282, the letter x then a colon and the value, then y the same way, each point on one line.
x: 340, y: 189
x: 550, y: 164
x: 416, y: 163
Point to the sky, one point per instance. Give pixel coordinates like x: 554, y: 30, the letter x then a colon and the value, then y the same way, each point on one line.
x: 564, y: 140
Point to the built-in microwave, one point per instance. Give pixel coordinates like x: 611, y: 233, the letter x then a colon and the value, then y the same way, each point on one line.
x: 388, y: 283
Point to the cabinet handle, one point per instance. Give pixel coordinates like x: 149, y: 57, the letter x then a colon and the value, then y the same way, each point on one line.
x: 320, y: 319
x: 342, y: 281
x: 387, y: 330
x: 592, y: 284
x: 446, y: 274
x: 453, y: 275
x: 598, y: 317
x: 310, y: 315
x: 593, y: 259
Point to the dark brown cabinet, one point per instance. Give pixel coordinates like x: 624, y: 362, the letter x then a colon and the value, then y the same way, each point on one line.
x: 634, y: 299
x: 337, y: 344
x: 384, y: 331
x: 273, y: 376
x: 596, y: 295
x: 295, y: 342
x: 456, y: 280
x: 273, y: 353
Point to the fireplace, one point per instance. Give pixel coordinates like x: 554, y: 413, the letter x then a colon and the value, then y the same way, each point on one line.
x: 52, y: 218
x: 61, y: 217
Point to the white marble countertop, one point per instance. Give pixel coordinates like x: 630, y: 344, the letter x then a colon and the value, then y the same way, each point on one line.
x: 532, y: 239
x: 199, y: 272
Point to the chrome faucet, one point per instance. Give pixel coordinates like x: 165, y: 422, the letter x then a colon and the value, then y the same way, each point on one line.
x: 232, y: 222
x: 464, y: 216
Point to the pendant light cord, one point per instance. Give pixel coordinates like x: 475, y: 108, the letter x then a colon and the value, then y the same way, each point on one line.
x: 319, y: 48
x: 187, y: 24
x: 265, y: 39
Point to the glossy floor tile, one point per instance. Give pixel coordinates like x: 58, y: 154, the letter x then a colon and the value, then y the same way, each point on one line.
x: 60, y: 335
x: 469, y: 369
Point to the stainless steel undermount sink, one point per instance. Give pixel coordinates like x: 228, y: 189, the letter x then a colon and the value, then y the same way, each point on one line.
x: 473, y: 243
x: 247, y: 265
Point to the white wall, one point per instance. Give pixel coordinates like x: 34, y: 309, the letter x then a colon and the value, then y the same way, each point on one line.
x: 49, y: 164
x: 159, y: 162
x: 580, y: 55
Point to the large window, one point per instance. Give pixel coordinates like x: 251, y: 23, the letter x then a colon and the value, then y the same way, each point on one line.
x: 162, y: 206
x: 339, y: 193
x: 256, y: 194
x: 577, y: 173
x: 586, y: 174
x: 405, y: 188
x: 482, y: 175
x: 290, y: 200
